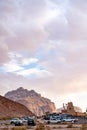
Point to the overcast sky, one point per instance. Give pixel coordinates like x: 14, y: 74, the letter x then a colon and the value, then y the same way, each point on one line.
x: 43, y: 46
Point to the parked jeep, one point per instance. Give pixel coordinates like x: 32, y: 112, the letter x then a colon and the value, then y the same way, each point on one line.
x: 31, y: 121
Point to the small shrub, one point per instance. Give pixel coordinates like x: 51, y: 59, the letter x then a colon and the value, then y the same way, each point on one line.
x: 29, y: 127
x: 84, y: 127
x: 5, y: 118
x: 47, y: 128
x: 40, y: 127
x: 69, y: 126
x: 18, y: 128
x: 56, y: 127
x: 5, y: 129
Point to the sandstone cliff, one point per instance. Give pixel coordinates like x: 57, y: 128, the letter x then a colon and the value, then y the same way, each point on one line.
x: 32, y: 100
x: 9, y: 108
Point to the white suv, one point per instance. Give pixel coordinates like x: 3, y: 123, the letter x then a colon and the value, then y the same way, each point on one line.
x: 53, y: 121
x: 16, y: 121
x: 73, y: 120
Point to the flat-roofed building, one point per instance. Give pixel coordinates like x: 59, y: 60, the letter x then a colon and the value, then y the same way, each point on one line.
x: 70, y: 109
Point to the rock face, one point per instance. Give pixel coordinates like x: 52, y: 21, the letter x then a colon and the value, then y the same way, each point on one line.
x: 32, y: 100
x: 9, y: 108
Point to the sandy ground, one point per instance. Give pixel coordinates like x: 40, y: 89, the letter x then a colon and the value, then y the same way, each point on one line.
x: 5, y: 124
x: 51, y: 126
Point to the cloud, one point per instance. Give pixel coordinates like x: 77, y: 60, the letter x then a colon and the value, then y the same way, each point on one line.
x: 26, y: 39
x: 28, y: 61
x: 10, y: 81
x: 26, y: 67
x: 12, y: 67
x: 3, y: 54
x: 71, y: 23
x: 43, y: 45
x: 22, y: 23
x: 35, y: 72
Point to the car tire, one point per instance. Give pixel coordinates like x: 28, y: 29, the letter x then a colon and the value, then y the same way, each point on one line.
x: 12, y: 123
x: 48, y: 122
x: 58, y: 122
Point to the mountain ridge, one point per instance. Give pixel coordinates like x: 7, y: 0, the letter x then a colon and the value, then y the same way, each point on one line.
x: 9, y: 108
x: 32, y: 100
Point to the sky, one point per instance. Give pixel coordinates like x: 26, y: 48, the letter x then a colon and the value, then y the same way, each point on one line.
x: 43, y: 46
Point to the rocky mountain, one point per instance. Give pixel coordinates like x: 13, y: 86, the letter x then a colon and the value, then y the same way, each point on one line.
x: 32, y: 100
x: 9, y: 108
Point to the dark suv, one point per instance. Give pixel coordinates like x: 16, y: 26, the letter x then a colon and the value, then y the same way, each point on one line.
x: 31, y: 121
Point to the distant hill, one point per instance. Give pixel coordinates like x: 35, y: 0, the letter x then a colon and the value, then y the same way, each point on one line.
x: 9, y: 108
x: 32, y: 100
